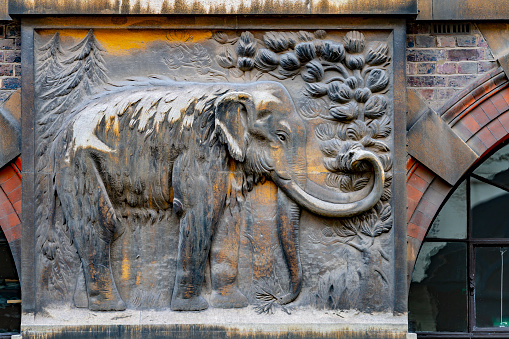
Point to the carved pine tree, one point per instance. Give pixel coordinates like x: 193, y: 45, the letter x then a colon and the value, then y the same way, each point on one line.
x: 50, y: 64
x: 64, y: 78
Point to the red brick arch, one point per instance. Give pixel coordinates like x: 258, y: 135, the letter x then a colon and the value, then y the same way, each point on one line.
x: 479, y: 115
x: 10, y: 206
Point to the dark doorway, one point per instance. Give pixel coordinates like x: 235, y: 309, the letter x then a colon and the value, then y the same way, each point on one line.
x: 10, y: 292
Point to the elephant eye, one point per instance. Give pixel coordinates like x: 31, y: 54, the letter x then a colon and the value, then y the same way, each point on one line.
x: 281, y: 136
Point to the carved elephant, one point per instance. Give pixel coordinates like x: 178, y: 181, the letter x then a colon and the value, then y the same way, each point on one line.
x: 153, y: 145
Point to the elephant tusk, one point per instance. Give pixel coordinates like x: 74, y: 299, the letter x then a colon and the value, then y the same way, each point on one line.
x: 337, y: 205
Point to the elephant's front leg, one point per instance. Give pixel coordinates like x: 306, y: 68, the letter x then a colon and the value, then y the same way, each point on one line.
x: 224, y: 258
x: 201, y: 196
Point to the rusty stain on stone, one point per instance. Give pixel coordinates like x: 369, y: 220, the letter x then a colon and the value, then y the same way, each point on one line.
x: 213, y: 7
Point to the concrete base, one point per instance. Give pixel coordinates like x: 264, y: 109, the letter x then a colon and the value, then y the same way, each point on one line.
x: 212, y: 323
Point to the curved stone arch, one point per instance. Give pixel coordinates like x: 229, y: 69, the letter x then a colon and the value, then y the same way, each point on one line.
x: 10, y: 207
x: 10, y: 174
x: 479, y: 116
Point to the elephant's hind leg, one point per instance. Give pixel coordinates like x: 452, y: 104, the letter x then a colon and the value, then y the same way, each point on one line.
x: 93, y: 223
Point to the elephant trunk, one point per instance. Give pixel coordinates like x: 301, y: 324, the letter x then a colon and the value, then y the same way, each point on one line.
x: 288, y: 219
x: 318, y: 200
x: 288, y: 216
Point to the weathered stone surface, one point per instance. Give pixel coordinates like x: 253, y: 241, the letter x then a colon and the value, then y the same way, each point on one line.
x: 10, y: 129
x: 210, y: 7
x: 173, y: 174
x: 425, y: 143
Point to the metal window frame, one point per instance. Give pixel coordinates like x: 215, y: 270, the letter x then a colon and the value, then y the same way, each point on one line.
x: 471, y: 244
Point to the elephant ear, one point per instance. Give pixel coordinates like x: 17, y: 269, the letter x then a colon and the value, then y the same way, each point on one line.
x: 232, y: 110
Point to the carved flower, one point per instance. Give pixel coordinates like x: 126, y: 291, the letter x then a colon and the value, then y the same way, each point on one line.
x: 354, y: 42
x: 305, y: 36
x: 275, y: 41
x: 220, y: 37
x: 339, y: 92
x: 320, y: 34
x: 266, y: 60
x: 314, y: 72
x: 355, y: 61
x: 246, y: 46
x: 289, y: 61
x: 316, y: 90
x: 311, y: 108
x: 305, y: 51
x: 352, y: 82
x: 226, y: 57
x: 375, y: 107
x: 318, y: 47
x: 345, y: 112
x: 377, y: 54
x: 377, y: 80
x: 332, y: 51
x: 292, y: 37
x: 245, y: 64
x: 362, y: 94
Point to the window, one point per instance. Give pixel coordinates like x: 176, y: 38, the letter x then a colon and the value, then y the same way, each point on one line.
x: 460, y: 282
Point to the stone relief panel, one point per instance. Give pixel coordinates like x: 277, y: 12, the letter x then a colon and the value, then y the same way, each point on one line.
x: 188, y: 169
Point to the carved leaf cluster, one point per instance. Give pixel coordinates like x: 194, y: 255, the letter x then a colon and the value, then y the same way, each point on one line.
x: 372, y: 223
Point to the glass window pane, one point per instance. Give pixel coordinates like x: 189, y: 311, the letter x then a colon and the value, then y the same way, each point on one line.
x: 491, y: 286
x: 490, y: 210
x: 451, y: 222
x: 496, y: 167
x: 438, y: 295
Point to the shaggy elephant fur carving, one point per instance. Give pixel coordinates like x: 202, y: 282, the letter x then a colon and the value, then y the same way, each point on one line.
x: 153, y: 144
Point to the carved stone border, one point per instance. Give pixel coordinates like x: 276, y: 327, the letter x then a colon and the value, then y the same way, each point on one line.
x: 214, y: 22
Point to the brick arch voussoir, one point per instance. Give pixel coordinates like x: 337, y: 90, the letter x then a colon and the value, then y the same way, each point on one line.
x: 479, y: 115
x: 10, y: 207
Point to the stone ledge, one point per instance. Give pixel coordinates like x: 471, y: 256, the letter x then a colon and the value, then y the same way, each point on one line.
x: 213, y: 323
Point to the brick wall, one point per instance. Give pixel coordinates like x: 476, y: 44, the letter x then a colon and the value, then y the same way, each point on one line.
x: 439, y: 66
x: 10, y: 58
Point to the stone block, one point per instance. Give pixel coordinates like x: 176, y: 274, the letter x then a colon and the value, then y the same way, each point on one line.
x: 418, y: 28
x: 446, y: 68
x: 10, y: 83
x: 411, y: 68
x: 12, y: 30
x: 485, y: 66
x: 6, y: 43
x: 426, y: 94
x: 425, y: 41
x: 417, y: 55
x: 460, y: 80
x: 6, y: 70
x: 410, y: 41
x: 467, y: 67
x: 427, y: 68
x: 446, y: 41
x: 13, y: 56
x: 445, y: 93
x: 465, y: 54
x: 466, y: 41
x: 426, y: 81
x: 481, y: 42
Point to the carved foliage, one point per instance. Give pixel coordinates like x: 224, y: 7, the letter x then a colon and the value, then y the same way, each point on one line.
x: 64, y: 77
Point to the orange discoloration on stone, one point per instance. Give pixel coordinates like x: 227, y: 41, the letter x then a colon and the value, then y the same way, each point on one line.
x: 120, y: 42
